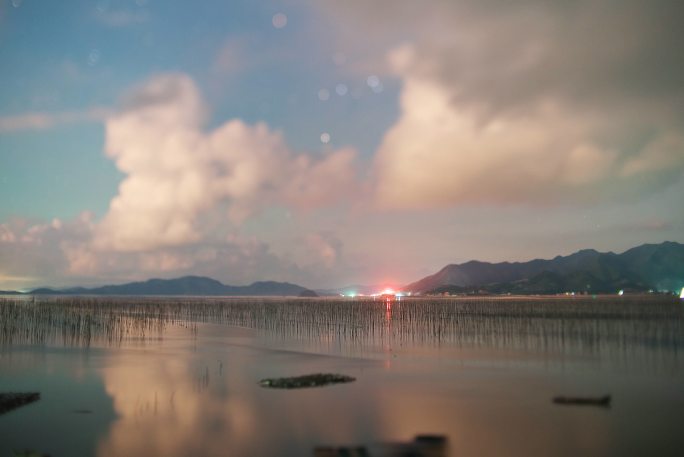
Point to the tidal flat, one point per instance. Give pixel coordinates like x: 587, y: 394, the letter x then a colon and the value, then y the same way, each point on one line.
x: 179, y: 376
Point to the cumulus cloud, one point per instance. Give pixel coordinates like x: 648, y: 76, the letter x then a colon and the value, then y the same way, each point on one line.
x: 438, y: 154
x: 62, y: 253
x: 176, y: 172
x: 537, y: 102
x: 184, y: 198
x: 36, y: 250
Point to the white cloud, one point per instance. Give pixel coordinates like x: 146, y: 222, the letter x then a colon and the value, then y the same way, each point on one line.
x: 35, y: 250
x: 185, y: 194
x: 176, y: 172
x: 441, y: 153
x: 526, y: 103
x: 62, y: 253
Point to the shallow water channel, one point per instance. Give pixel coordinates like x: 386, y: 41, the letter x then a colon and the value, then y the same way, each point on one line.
x: 481, y: 372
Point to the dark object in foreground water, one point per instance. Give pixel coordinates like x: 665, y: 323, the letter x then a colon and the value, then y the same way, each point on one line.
x: 346, y: 451
x: 421, y: 446
x: 584, y: 401
x: 28, y: 453
x: 13, y: 400
x: 310, y: 380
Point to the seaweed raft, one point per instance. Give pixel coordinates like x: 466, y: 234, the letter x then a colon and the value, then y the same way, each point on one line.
x: 311, y: 380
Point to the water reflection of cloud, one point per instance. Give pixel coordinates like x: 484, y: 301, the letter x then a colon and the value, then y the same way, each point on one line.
x: 164, y: 412
x: 202, y: 399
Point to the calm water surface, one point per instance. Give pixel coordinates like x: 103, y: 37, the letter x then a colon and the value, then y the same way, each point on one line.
x: 480, y: 372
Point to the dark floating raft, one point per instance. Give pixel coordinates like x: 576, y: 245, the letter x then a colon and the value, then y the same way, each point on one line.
x: 14, y: 400
x: 584, y: 401
x: 421, y: 446
x: 310, y: 380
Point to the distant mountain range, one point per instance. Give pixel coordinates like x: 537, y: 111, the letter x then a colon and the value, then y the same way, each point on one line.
x: 646, y: 267
x: 658, y: 267
x: 187, y: 285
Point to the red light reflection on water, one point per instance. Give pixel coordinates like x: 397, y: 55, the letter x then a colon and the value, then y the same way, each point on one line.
x: 389, y: 301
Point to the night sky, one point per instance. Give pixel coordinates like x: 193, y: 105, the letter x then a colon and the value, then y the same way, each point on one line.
x: 329, y: 143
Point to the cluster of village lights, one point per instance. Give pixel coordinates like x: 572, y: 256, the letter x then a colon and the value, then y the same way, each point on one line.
x: 387, y: 292
x: 397, y: 294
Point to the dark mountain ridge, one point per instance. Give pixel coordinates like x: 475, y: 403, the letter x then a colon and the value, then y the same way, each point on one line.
x: 186, y: 285
x: 645, y: 267
x: 657, y: 267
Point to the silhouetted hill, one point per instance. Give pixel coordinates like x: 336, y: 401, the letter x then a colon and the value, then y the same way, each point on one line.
x: 661, y: 265
x: 268, y: 288
x: 649, y: 266
x: 308, y: 293
x: 187, y: 285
